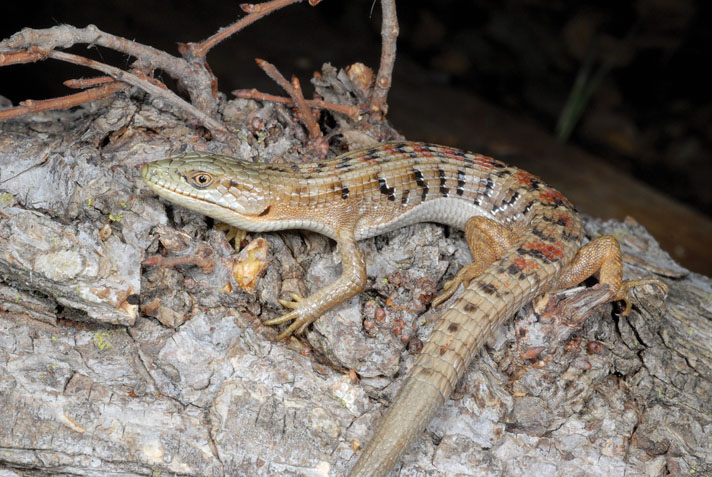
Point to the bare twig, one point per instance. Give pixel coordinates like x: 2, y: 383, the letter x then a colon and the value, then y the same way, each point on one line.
x: 274, y: 73
x: 254, y: 11
x: 149, y: 86
x: 192, y: 71
x: 66, y: 36
x: 197, y: 81
x: 389, y: 34
x: 87, y: 83
x: 308, y: 115
x: 351, y: 111
x: 30, y: 55
x: 203, y: 258
x: 294, y: 91
x: 65, y: 102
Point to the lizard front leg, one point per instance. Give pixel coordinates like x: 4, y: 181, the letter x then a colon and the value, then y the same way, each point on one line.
x: 352, y: 281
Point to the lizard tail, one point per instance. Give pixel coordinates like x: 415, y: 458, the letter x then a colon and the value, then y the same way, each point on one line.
x: 482, y: 307
x: 414, y: 407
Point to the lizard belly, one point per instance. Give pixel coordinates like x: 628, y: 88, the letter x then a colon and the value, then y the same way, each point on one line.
x: 448, y: 211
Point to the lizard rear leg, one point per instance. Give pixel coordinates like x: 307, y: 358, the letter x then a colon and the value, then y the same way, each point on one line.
x: 602, y: 257
x: 488, y: 240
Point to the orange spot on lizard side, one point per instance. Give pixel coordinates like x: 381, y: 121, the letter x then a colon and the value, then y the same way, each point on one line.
x: 485, y: 162
x: 553, y: 197
x: 524, y: 178
x: 550, y: 251
x: 523, y: 264
x: 565, y: 218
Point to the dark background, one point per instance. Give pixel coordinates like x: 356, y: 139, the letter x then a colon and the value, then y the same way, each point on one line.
x: 650, y: 114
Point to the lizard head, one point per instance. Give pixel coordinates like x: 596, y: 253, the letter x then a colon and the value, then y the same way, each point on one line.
x: 221, y: 187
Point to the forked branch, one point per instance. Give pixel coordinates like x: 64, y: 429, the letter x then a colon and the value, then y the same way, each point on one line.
x: 191, y: 71
x: 351, y: 111
x: 254, y: 11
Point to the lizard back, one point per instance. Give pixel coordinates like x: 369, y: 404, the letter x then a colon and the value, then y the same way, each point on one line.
x: 376, y: 189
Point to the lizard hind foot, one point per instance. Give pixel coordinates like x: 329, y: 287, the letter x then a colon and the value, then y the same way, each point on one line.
x: 625, y: 287
x: 488, y: 240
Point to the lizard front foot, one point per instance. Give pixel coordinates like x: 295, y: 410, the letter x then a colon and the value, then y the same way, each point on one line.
x: 306, y: 310
x: 301, y: 319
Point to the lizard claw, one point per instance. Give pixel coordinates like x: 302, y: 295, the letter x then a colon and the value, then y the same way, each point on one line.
x: 298, y: 326
x: 283, y: 319
x: 296, y: 299
x: 300, y: 323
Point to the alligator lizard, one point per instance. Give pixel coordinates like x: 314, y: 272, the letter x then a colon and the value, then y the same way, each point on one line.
x: 525, y: 238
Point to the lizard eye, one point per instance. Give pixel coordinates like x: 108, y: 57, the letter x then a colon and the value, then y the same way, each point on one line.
x: 201, y: 180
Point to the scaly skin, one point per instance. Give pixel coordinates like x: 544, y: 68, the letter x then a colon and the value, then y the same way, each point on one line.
x: 525, y: 238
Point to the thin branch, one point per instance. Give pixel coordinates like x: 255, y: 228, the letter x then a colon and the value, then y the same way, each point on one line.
x: 389, y: 34
x: 301, y: 103
x: 351, y: 111
x: 31, y: 55
x: 274, y: 73
x: 66, y: 36
x: 255, y: 12
x: 87, y: 83
x: 294, y: 91
x: 191, y: 71
x: 149, y: 86
x: 197, y: 81
x: 65, y: 102
x: 203, y: 258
